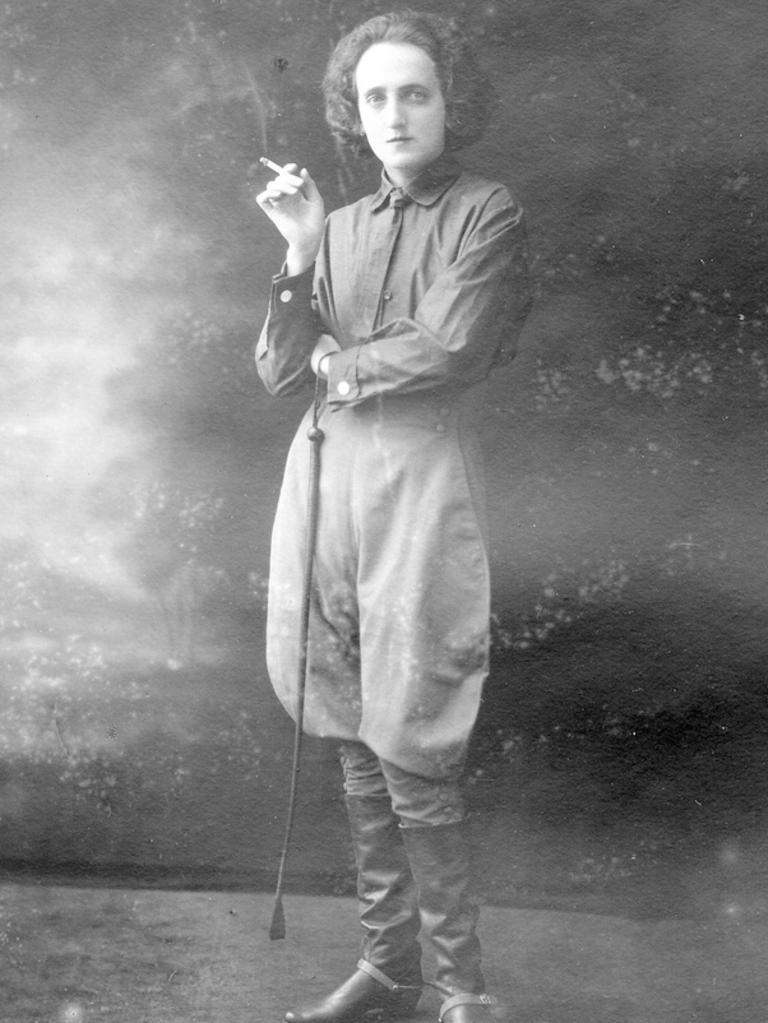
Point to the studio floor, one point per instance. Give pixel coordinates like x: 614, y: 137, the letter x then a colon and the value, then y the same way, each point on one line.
x: 84, y: 955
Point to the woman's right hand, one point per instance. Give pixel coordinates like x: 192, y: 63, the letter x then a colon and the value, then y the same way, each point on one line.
x: 294, y: 205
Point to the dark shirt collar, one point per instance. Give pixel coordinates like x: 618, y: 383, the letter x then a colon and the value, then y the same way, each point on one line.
x: 427, y: 188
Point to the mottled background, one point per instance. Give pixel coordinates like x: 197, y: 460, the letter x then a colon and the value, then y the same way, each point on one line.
x: 621, y: 752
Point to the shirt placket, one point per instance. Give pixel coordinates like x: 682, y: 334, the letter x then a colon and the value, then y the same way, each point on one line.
x: 385, y: 234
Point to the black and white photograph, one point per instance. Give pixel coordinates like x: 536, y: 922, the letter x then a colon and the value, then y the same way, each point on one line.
x: 384, y: 521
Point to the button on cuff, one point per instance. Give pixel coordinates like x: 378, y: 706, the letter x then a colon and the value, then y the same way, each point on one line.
x: 343, y: 386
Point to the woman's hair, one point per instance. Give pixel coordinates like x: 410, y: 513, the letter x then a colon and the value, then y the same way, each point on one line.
x: 467, y: 92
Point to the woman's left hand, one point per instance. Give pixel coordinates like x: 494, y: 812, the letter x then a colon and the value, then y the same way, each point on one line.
x: 326, y: 345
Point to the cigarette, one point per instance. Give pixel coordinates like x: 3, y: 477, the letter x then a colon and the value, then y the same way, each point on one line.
x: 271, y: 165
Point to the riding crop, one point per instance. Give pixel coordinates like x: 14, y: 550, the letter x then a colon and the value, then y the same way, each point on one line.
x: 316, y: 437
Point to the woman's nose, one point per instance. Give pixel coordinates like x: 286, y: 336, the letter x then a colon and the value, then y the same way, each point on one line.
x: 394, y: 113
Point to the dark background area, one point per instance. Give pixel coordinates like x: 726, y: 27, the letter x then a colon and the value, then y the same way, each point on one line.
x: 620, y: 759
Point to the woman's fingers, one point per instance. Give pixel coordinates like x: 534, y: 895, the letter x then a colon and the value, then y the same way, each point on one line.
x: 275, y: 192
x: 308, y: 186
x: 288, y: 182
x: 294, y: 205
x: 276, y: 197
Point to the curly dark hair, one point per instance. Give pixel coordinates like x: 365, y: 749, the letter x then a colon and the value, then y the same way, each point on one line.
x: 467, y: 92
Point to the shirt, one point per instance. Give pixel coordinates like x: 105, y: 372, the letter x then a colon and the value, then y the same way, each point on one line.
x: 423, y: 288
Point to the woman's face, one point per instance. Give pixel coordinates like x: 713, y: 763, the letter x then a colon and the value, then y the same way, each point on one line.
x: 401, y: 107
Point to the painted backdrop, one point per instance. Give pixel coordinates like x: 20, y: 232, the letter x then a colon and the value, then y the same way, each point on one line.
x: 623, y: 737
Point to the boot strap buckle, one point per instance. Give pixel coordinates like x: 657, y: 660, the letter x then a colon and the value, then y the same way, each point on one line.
x: 383, y: 979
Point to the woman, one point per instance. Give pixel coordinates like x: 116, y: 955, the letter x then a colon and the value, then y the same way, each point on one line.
x: 401, y: 304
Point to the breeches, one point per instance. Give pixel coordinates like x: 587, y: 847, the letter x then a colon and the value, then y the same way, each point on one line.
x: 400, y: 603
x: 418, y: 801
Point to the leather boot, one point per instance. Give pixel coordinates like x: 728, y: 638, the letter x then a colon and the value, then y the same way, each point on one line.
x: 440, y: 862
x: 388, y: 976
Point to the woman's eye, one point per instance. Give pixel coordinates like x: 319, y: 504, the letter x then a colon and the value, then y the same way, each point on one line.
x: 417, y: 94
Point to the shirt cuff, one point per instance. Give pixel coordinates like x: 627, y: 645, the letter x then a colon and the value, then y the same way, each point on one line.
x: 343, y: 386
x: 289, y: 291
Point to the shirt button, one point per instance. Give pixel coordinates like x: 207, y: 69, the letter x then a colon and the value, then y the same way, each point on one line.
x: 286, y: 296
x: 387, y: 295
x: 440, y: 428
x: 343, y: 388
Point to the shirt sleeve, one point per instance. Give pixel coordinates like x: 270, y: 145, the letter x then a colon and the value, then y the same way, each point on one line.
x: 466, y: 323
x: 288, y: 336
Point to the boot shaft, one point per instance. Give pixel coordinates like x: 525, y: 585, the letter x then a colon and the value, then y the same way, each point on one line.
x: 440, y: 859
x: 386, y: 891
